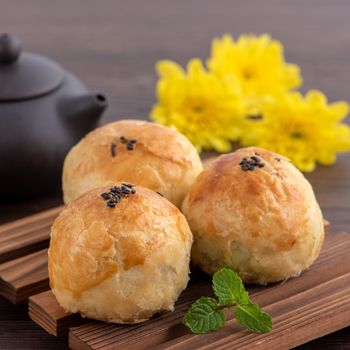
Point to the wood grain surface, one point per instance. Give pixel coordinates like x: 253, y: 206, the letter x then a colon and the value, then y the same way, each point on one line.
x: 27, y: 235
x: 44, y: 310
x: 23, y: 277
x: 302, y: 309
x: 113, y: 45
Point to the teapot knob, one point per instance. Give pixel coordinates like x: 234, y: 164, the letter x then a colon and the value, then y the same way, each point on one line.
x: 10, y: 48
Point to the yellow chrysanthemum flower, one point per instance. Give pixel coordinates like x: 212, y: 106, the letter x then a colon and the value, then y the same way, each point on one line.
x: 257, y: 62
x: 305, y: 129
x: 200, y: 105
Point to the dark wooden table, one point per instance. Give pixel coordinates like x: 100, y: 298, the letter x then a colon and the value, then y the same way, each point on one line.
x: 113, y: 46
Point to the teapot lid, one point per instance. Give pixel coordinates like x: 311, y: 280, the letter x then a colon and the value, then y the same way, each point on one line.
x: 25, y: 75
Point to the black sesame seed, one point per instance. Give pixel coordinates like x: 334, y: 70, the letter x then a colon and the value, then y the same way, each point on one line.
x: 113, y: 149
x: 111, y: 204
x: 105, y: 195
x: 117, y: 193
x: 115, y: 190
x: 133, y: 141
x: 160, y: 194
x: 128, y: 185
x: 130, y: 146
x: 255, y: 158
x: 123, y: 139
x: 251, y: 164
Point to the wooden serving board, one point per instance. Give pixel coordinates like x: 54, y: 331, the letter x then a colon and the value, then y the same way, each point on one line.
x: 304, y: 308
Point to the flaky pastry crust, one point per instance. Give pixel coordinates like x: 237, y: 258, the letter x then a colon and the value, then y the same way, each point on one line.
x: 265, y: 222
x: 120, y: 264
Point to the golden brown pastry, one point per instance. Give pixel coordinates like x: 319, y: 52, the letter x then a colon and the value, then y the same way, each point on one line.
x: 254, y: 211
x: 119, y: 254
x: 134, y: 151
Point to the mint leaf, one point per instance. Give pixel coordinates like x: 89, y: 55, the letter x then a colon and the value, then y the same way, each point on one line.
x: 229, y: 288
x: 203, y: 316
x: 252, y: 317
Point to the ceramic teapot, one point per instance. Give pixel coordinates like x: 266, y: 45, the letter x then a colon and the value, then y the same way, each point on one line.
x: 44, y: 111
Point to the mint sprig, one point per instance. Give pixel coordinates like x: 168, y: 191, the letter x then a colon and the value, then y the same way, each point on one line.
x: 204, y: 315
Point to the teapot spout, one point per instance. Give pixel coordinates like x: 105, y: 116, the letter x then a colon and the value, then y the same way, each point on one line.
x: 83, y: 110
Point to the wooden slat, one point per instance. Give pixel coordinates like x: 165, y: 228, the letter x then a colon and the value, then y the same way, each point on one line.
x: 303, y: 308
x: 44, y: 310
x: 23, y: 277
x: 26, y: 235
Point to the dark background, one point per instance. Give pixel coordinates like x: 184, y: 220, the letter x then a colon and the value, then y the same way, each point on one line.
x: 113, y: 46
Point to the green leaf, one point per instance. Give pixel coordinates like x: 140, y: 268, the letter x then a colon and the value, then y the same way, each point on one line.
x: 252, y: 317
x: 229, y: 288
x: 202, y: 316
